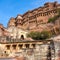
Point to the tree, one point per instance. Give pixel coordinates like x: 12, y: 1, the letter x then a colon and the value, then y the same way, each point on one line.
x: 34, y: 35
x: 45, y: 35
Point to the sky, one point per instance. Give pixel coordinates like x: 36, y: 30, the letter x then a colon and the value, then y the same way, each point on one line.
x: 11, y: 8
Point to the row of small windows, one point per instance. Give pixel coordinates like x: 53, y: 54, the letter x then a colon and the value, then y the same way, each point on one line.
x: 25, y: 20
x: 20, y: 46
x: 11, y: 39
x: 33, y: 21
x: 42, y: 14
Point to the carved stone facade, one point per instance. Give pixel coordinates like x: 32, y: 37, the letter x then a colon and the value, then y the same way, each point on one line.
x: 31, y: 50
x: 38, y: 50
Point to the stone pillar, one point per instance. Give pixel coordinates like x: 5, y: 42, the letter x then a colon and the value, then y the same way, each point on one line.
x: 18, y: 47
x: 11, y: 49
x: 24, y: 45
x: 16, y: 50
x: 31, y: 45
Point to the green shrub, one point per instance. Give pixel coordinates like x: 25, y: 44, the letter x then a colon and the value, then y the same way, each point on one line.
x: 55, y: 17
x: 40, y: 35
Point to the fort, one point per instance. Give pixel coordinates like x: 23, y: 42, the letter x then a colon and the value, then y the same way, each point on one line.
x: 37, y: 16
x: 15, y: 43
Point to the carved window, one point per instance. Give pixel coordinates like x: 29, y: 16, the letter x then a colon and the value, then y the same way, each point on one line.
x: 40, y: 14
x: 14, y: 46
x: 8, y: 47
x: 27, y: 45
x: 32, y: 17
x: 32, y: 21
x: 20, y: 46
x: 37, y: 15
x: 44, y: 14
x: 33, y: 45
x: 40, y: 21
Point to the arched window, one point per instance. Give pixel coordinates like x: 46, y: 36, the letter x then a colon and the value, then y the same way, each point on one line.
x: 27, y: 45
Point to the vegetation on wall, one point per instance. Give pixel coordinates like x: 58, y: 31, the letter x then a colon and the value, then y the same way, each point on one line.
x: 39, y: 35
x: 55, y: 17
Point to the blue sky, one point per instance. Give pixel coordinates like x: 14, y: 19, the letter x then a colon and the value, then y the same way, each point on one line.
x: 10, y: 8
